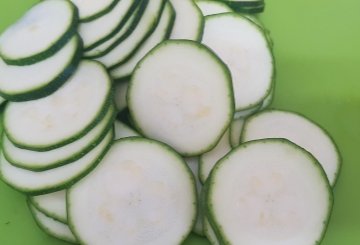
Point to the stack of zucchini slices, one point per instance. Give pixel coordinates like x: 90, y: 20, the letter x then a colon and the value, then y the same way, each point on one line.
x: 195, y: 149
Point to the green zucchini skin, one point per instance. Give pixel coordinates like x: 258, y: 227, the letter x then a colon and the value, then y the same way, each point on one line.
x: 55, y: 47
x: 100, y: 115
x: 70, y: 159
x: 99, y: 14
x: 52, y: 86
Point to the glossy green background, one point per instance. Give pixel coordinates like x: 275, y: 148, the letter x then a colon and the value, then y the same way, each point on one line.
x: 317, y: 49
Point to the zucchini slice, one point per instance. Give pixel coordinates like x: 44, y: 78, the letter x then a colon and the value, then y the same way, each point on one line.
x: 93, y: 9
x: 193, y: 164
x: 124, y: 49
x: 120, y: 92
x: 301, y: 131
x: 106, y: 46
x: 247, y: 6
x: 247, y: 112
x: 192, y: 93
x: 64, y: 116
x: 22, y: 83
x: 210, y: 7
x: 123, y: 131
x: 38, y: 183
x: 103, y: 28
x: 269, y: 192
x: 243, y: 46
x: 40, y: 33
x: 45, y: 160
x: 51, y: 226
x: 189, y: 22
x: 52, y: 205
x: 209, y: 159
x: 147, y: 198
x: 235, y: 131
x: 210, y: 233
x: 160, y: 33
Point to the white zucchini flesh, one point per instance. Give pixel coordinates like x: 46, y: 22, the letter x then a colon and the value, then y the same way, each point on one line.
x: 43, y: 29
x: 189, y: 20
x: 52, y: 205
x: 91, y: 8
x: 183, y: 92
x: 103, y: 27
x: 51, y: 226
x: 209, y: 159
x: 37, y: 183
x: 193, y: 164
x: 160, y: 33
x: 210, y: 7
x: 44, y: 160
x: 123, y: 131
x: 236, y: 128
x: 64, y: 115
x: 301, y: 131
x: 242, y: 45
x: 120, y: 91
x: 142, y: 30
x: 16, y: 80
x: 269, y: 192
x: 147, y: 198
x: 103, y: 47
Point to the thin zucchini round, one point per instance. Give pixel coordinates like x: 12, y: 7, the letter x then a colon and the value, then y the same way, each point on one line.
x: 189, y: 89
x: 123, y: 131
x: 93, y: 9
x: 189, y: 21
x: 235, y: 131
x: 160, y: 33
x: 301, y: 131
x: 269, y: 192
x: 210, y: 7
x: 23, y: 83
x: 244, y: 48
x: 64, y: 116
x: 147, y: 198
x: 40, y: 33
x: 45, y: 160
x: 52, y: 205
x: 38, y: 183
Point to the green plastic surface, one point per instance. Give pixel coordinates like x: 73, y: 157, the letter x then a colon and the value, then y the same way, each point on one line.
x: 317, y: 49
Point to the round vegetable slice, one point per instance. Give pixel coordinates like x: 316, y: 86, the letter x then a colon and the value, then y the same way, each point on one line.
x: 189, y: 22
x: 210, y: 7
x: 51, y: 226
x: 235, y: 131
x: 189, y: 89
x: 133, y: 198
x: 52, y: 205
x: 244, y: 48
x: 45, y: 160
x: 65, y: 115
x: 120, y: 92
x: 37, y: 183
x: 92, y: 9
x: 269, y: 192
x: 123, y: 131
x: 301, y: 131
x: 22, y: 83
x: 40, y: 33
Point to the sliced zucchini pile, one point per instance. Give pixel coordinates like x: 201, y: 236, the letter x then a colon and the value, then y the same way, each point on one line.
x: 141, y: 121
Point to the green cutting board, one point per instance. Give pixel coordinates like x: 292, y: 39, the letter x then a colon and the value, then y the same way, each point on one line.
x: 317, y: 50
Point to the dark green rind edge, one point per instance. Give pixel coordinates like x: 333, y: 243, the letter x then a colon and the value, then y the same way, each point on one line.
x: 166, y: 148
x: 247, y: 7
x: 108, y: 100
x: 231, y: 132
x: 322, y: 129
x: 202, y: 22
x: 151, y: 27
x: 166, y: 37
x: 210, y: 183
x: 138, y: 15
x: 67, y: 183
x: 44, y: 228
x: 117, y: 28
x: 100, y: 13
x: 71, y: 158
x: 53, y: 48
x: 227, y: 75
x: 51, y: 86
x: 49, y: 214
x: 268, y: 45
